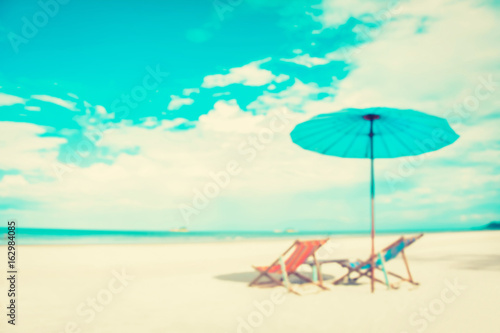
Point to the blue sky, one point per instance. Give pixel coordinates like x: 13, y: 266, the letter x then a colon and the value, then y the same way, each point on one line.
x: 155, y: 114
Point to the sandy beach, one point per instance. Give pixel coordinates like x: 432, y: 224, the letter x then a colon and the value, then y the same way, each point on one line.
x: 203, y: 288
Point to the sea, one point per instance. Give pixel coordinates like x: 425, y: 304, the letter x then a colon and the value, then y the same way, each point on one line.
x: 34, y: 236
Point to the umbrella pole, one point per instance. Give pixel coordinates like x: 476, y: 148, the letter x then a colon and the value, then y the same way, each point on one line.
x: 372, y: 196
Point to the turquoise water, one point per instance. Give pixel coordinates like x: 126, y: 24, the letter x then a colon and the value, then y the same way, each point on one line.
x: 29, y: 236
x: 70, y: 236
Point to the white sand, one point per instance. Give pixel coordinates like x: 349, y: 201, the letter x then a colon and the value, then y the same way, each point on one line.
x: 203, y: 288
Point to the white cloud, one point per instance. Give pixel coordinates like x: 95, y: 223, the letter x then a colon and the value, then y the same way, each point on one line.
x: 298, y: 97
x: 337, y: 12
x: 430, y: 70
x: 221, y: 94
x: 169, y: 166
x: 101, y: 110
x: 281, y: 78
x: 307, y: 60
x: 32, y: 108
x: 248, y: 75
x: 56, y: 100
x: 226, y: 116
x: 26, y: 150
x: 189, y: 91
x: 6, y: 99
x: 177, y: 102
x: 14, y: 180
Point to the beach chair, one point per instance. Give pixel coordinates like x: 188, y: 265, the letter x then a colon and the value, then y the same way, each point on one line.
x: 288, y: 263
x: 363, y: 268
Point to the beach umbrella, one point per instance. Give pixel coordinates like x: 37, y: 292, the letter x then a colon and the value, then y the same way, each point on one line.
x: 373, y: 133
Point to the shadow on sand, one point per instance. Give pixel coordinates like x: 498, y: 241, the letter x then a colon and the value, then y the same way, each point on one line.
x: 246, y: 277
x: 486, y: 262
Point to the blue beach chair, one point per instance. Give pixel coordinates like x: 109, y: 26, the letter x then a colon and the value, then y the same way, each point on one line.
x: 363, y: 267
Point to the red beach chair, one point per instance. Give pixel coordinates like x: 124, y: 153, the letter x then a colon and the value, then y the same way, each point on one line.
x: 302, y: 250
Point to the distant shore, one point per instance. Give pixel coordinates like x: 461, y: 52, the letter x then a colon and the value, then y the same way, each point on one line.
x: 38, y: 236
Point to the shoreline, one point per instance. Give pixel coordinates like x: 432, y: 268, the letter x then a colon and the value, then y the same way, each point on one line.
x: 196, y: 240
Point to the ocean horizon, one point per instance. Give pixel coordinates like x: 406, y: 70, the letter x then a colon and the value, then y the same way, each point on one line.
x: 45, y: 236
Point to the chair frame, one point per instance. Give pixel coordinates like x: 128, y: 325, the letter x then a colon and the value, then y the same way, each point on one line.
x: 368, y: 272
x: 284, y: 281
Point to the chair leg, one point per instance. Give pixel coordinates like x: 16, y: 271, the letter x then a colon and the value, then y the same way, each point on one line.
x: 254, y: 281
x: 402, y: 278
x: 340, y: 279
x: 302, y: 277
x: 407, y: 266
x: 318, y: 270
x: 278, y: 282
x: 305, y: 278
x: 288, y: 286
x: 264, y: 274
x: 368, y: 275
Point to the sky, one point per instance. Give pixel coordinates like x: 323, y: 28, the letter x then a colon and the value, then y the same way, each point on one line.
x: 152, y: 115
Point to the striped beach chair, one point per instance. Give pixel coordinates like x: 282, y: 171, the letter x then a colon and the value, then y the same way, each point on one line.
x: 363, y: 267
x: 281, y: 269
